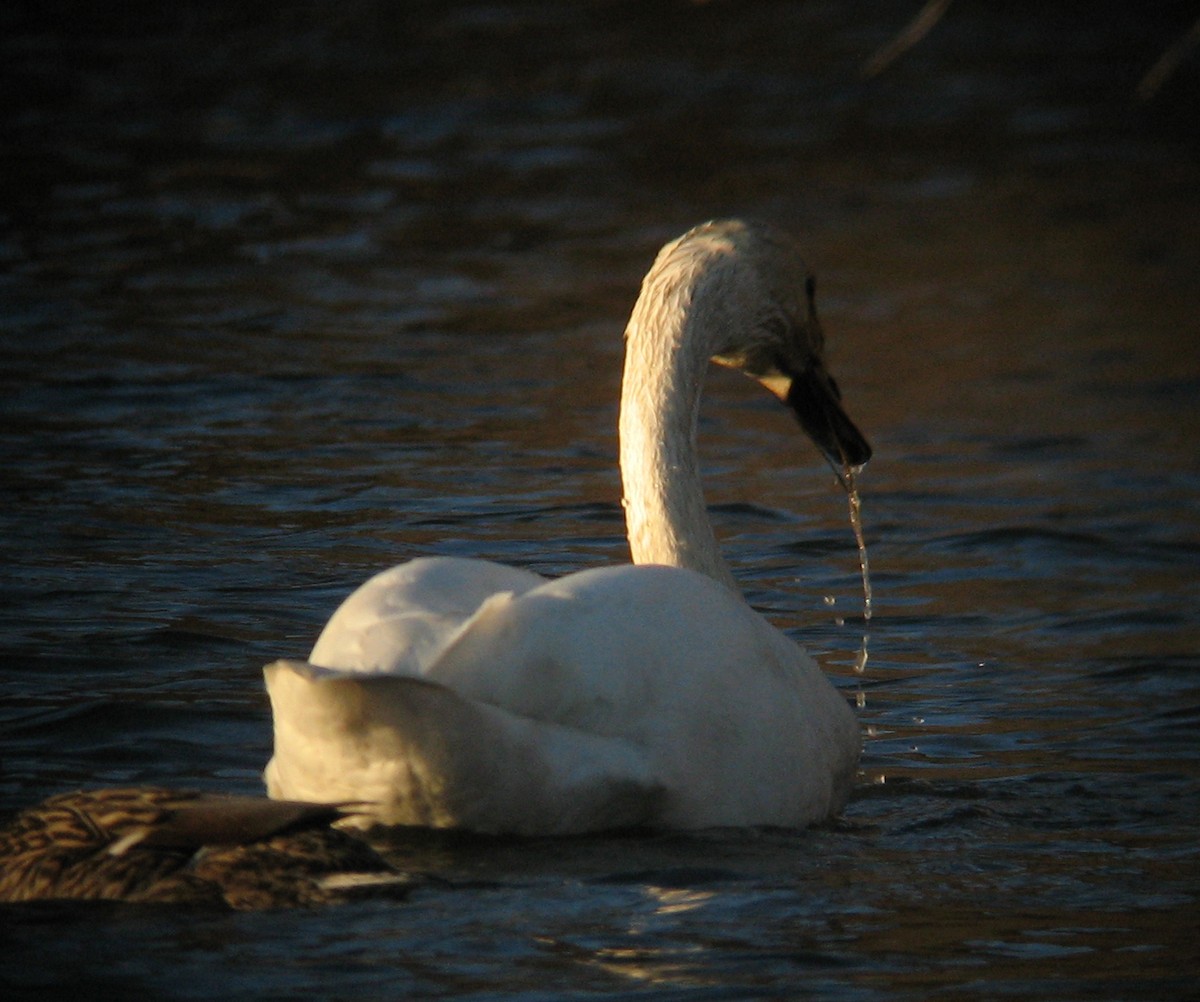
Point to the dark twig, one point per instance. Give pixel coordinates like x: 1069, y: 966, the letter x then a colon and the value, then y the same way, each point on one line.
x: 1168, y: 63
x: 918, y: 28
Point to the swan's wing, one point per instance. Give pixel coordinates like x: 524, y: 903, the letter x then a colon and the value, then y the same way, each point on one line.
x: 739, y: 722
x: 425, y: 755
x: 603, y: 649
x: 399, y: 620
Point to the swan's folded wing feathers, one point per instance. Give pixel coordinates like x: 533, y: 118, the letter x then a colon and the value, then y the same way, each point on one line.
x: 424, y: 755
x: 400, y: 619
x: 673, y: 664
x: 614, y: 650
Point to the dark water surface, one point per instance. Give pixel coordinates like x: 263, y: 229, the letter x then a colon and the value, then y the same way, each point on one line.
x: 292, y: 295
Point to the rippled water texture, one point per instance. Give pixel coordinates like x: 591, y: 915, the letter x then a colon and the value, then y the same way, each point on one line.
x: 294, y: 292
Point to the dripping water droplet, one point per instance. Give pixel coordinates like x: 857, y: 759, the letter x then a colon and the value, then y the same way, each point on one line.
x: 860, y: 663
x: 856, y: 525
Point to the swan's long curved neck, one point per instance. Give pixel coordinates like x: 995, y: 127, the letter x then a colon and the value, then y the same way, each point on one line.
x: 666, y: 357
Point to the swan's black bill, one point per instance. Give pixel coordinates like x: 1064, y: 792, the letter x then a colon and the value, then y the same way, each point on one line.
x: 816, y: 401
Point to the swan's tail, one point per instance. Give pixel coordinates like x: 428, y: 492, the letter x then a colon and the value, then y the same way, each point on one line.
x: 420, y: 754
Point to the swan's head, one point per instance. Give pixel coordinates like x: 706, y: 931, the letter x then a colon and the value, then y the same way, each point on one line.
x: 745, y: 286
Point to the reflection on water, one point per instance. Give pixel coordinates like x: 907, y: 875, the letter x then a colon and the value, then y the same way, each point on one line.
x: 289, y: 296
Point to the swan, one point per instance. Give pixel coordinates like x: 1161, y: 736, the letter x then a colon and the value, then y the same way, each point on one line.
x: 149, y: 844
x: 449, y: 692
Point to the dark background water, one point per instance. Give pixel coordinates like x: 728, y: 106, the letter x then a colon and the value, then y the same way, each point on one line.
x: 290, y: 295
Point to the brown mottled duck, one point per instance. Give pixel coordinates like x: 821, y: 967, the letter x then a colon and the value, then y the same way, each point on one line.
x: 148, y: 844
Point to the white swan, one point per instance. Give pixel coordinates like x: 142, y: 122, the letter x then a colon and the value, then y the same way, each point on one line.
x: 462, y: 693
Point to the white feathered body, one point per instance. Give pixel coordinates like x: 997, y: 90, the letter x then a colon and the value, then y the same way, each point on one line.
x: 461, y: 693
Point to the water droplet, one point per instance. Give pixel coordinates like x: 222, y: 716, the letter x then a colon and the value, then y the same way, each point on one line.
x: 856, y: 525
x: 860, y: 663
